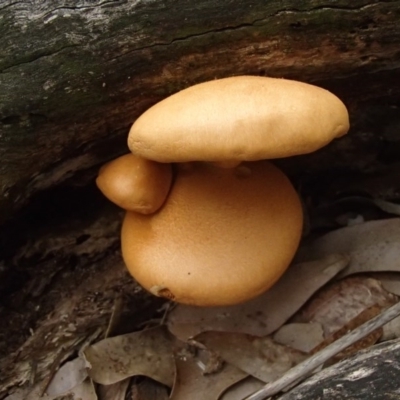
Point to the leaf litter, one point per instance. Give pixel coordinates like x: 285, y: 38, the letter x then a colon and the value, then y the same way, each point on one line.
x: 264, y: 314
x: 341, y: 301
x: 260, y: 357
x: 226, y: 353
x: 115, y: 391
x: 70, y: 375
x: 390, y: 281
x: 146, y: 389
x: 242, y: 389
x: 300, y: 336
x: 372, y: 246
x: 148, y: 352
x: 363, y: 343
x: 192, y: 383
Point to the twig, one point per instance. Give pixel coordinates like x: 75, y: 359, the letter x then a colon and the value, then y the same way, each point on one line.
x: 115, y: 316
x: 302, y: 370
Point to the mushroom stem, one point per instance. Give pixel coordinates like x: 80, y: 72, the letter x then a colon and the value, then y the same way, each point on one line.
x: 226, y: 163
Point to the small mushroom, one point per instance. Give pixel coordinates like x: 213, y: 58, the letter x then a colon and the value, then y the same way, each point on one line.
x: 231, y: 224
x: 135, y: 184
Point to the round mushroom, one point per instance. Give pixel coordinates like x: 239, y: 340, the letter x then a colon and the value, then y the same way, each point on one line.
x: 223, y: 236
x: 135, y: 184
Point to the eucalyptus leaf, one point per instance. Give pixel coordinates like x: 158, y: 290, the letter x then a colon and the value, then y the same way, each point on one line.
x: 264, y: 314
x: 262, y: 358
x: 148, y: 352
x: 372, y: 246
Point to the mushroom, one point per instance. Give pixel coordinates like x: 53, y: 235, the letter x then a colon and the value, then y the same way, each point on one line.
x: 244, y: 118
x: 225, y: 235
x: 135, y: 184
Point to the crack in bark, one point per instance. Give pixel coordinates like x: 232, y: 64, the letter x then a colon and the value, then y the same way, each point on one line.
x: 188, y: 37
x: 83, y: 7
x: 192, y: 36
x: 251, y: 24
x: 77, y: 7
x: 10, y: 5
x: 38, y: 57
x: 333, y: 8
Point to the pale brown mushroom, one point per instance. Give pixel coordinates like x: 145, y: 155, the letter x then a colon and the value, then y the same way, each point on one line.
x: 244, y: 118
x: 225, y: 235
x: 222, y: 237
x: 135, y: 184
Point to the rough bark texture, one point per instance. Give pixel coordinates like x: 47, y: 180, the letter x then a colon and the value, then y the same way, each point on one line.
x: 370, y: 375
x: 76, y: 73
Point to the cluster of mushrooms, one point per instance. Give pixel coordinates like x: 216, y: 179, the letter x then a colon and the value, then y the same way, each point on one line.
x: 209, y: 221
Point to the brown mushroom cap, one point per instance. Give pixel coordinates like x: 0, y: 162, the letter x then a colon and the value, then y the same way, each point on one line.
x: 223, y: 237
x: 243, y: 118
x: 135, y: 184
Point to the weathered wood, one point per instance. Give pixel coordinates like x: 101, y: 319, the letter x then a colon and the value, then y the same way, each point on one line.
x: 301, y: 370
x: 66, y: 284
x: 75, y: 74
x: 370, y: 375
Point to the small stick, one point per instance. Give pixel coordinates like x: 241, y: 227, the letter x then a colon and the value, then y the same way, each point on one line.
x: 304, y: 368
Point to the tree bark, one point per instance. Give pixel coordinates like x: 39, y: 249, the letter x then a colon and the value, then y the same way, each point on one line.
x: 75, y: 74
x: 369, y: 375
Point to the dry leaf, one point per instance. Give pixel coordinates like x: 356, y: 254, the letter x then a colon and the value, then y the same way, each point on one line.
x: 390, y: 282
x: 372, y: 246
x: 147, y: 389
x: 391, y: 330
x: 266, y: 313
x: 70, y: 380
x: 300, y: 336
x: 260, y: 357
x: 191, y: 382
x: 242, y: 389
x: 336, y: 305
x: 31, y: 393
x: 70, y: 375
x: 84, y: 391
x: 367, y: 341
x: 147, y: 352
x: 116, y: 391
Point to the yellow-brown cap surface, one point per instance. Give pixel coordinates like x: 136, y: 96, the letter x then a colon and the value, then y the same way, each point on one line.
x: 222, y: 237
x: 243, y: 118
x: 135, y: 184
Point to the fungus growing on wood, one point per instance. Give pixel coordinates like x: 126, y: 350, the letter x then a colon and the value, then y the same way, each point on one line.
x: 244, y: 118
x: 225, y: 235
x: 222, y: 237
x: 135, y: 184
